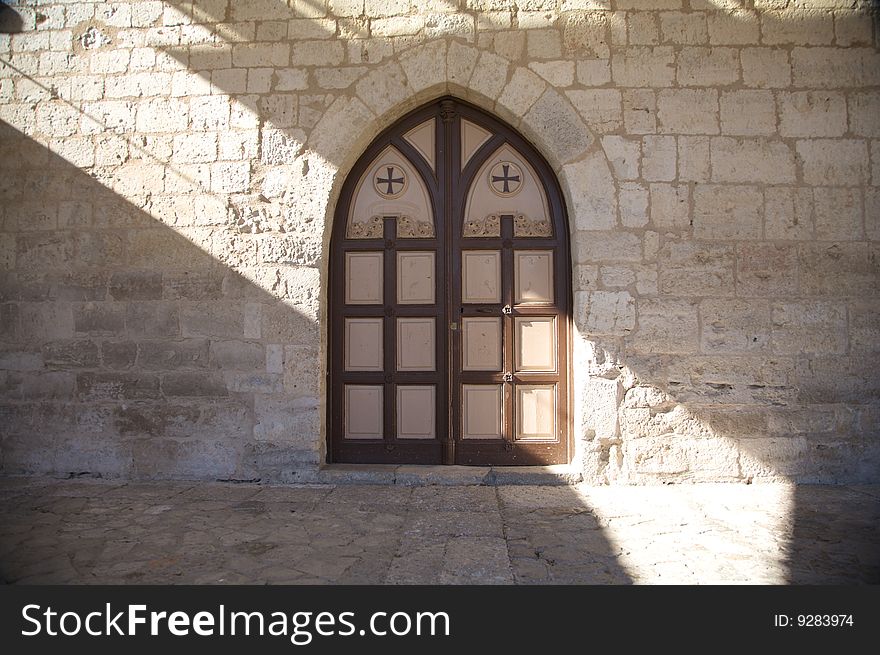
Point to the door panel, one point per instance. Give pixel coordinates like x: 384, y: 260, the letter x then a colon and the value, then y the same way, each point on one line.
x: 450, y: 298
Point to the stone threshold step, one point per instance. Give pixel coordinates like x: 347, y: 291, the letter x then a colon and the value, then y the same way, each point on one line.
x: 415, y: 476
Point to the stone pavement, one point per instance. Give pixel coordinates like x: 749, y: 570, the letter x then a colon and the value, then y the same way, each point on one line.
x: 85, y: 531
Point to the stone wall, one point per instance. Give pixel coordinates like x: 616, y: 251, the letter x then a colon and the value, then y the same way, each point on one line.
x: 169, y: 171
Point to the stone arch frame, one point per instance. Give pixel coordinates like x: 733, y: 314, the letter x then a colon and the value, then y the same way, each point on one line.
x: 516, y: 95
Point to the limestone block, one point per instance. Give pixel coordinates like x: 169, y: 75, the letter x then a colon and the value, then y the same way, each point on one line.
x: 136, y: 285
x: 187, y: 384
x: 683, y: 28
x: 623, y: 154
x: 864, y: 113
x: 600, y: 108
x: 692, y: 459
x: 693, y: 158
x: 152, y: 319
x: 643, y: 66
x: 332, y: 136
x: 715, y: 66
x: 659, y: 155
x: 558, y: 73
x: 425, y: 66
x: 788, y: 213
x: 605, y: 312
x: 842, y: 162
x: 839, y: 269
x: 838, y: 214
x: 285, y: 323
x: 607, y: 246
x: 301, y: 371
x: 115, y: 386
x: 809, y: 327
x: 665, y: 326
x: 601, y: 398
x: 733, y: 28
x: 727, y: 212
x: 211, y: 319
x: 735, y: 326
x: 752, y: 160
x: 633, y: 204
x: 852, y: 29
x: 670, y: 207
x: 591, y: 189
x: 797, y: 27
x: 165, y: 355
x: 766, y: 269
x: 837, y: 379
x: 282, y: 419
x: 557, y: 128
x: 765, y: 68
x: 585, y: 33
x: 690, y: 268
x: 543, y: 44
x: 521, y: 92
x: 208, y: 113
x: 593, y: 72
x: 640, y: 111
x: 79, y: 353
x: 864, y: 327
x: 748, y: 113
x: 642, y: 29
x: 812, y: 113
x: 489, y: 76
x: 460, y: 62
x: 311, y: 53
x: 618, y: 276
x: 834, y: 68
x: 872, y: 214
x: 688, y: 111
x: 99, y: 318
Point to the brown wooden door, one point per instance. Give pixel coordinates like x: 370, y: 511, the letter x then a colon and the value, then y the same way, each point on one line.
x: 450, y: 298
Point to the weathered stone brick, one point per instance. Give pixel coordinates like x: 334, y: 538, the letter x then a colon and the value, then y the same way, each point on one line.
x: 766, y: 269
x: 707, y: 66
x: 605, y: 312
x: 666, y: 326
x: 238, y: 355
x: 788, y: 213
x: 765, y: 68
x: 834, y: 68
x: 670, y: 207
x: 733, y: 28
x: 558, y: 127
x: 735, y: 326
x: 633, y: 204
x: 152, y: 319
x: 623, y: 154
x: 688, y: 111
x: 811, y: 327
x: 608, y: 246
x: 752, y: 160
x: 683, y: 28
x: 118, y: 355
x: 640, y: 111
x: 71, y: 354
x: 659, y: 154
x: 99, y: 318
x: 864, y: 327
x: 812, y: 113
x: 864, y: 113
x: 838, y: 214
x: 689, y: 268
x: 839, y: 269
x: 104, y: 386
x: 171, y: 355
x: 643, y: 66
x: 600, y: 108
x: 748, y: 113
x: 136, y: 285
x: 728, y: 212
x: 841, y: 162
x: 211, y: 319
x: 797, y: 27
x: 693, y: 158
x: 185, y: 384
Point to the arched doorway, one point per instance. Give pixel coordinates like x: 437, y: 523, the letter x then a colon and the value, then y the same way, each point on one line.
x: 450, y: 298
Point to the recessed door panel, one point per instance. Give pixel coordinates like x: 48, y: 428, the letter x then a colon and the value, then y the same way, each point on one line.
x: 415, y: 344
x: 535, y: 343
x: 533, y: 276
x: 363, y: 278
x: 416, y: 415
x: 481, y: 276
x: 481, y: 344
x: 535, y: 412
x: 481, y: 411
x: 363, y: 411
x: 415, y: 278
x: 363, y: 344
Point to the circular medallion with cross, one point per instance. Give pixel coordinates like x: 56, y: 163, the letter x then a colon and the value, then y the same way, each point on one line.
x: 505, y: 179
x: 390, y: 181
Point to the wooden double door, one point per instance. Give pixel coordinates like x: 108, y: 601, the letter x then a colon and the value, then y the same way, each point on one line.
x: 450, y: 298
